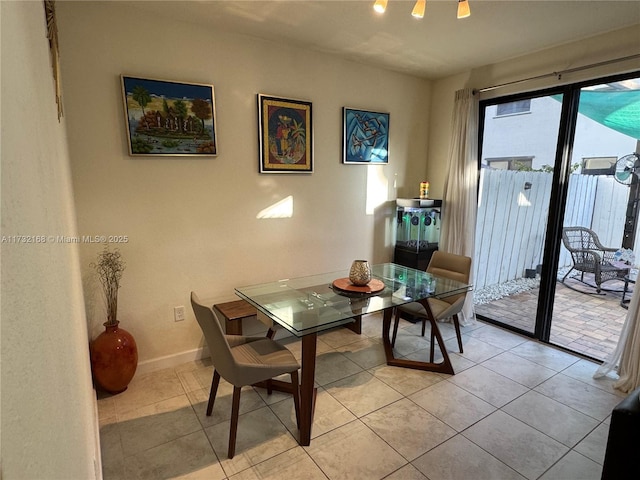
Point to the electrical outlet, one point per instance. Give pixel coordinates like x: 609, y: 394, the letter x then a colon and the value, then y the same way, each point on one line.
x: 178, y: 313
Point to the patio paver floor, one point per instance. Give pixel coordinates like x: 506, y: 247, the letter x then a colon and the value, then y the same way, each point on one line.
x: 586, y: 323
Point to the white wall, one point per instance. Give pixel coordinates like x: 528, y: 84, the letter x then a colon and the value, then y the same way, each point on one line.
x: 48, y: 403
x: 192, y: 223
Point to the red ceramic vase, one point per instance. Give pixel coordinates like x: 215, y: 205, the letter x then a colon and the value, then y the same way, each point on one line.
x: 114, y: 359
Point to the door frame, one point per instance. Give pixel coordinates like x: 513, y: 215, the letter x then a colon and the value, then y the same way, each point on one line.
x: 560, y: 185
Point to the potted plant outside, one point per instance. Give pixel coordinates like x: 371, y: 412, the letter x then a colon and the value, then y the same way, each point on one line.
x: 114, y: 353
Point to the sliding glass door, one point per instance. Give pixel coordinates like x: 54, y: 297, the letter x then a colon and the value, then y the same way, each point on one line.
x: 589, y: 308
x: 547, y: 166
x: 519, y: 140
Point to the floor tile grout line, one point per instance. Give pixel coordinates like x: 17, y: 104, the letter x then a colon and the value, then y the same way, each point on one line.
x: 488, y: 452
x: 599, y: 422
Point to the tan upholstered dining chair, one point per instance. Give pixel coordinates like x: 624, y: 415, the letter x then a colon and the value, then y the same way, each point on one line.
x: 243, y: 361
x: 443, y: 264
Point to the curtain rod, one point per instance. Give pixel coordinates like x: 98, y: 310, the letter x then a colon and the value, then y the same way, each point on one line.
x: 557, y: 74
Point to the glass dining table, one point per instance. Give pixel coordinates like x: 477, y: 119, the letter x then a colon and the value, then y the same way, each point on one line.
x: 308, y: 305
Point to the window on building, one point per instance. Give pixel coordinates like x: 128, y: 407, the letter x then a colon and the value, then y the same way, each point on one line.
x: 512, y: 108
x: 599, y: 165
x: 510, y: 163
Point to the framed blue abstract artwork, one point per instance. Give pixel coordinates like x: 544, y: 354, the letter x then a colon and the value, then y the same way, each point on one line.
x: 365, y: 137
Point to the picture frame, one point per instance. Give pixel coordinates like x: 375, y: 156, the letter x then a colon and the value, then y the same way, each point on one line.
x: 365, y: 137
x: 285, y: 128
x: 168, y: 118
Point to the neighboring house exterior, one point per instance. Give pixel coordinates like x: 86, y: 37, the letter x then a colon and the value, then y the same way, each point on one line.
x: 524, y: 133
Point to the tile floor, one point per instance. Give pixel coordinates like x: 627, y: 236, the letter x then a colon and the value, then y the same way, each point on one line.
x: 515, y: 409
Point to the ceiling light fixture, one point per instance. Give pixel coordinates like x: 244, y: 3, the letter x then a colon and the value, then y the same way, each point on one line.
x: 418, y: 9
x: 380, y: 6
x: 463, y: 9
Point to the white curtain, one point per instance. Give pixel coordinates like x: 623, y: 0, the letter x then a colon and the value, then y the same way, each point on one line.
x: 461, y: 187
x: 625, y: 359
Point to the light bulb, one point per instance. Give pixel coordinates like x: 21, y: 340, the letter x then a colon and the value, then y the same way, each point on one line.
x: 380, y: 6
x: 463, y: 9
x: 418, y: 9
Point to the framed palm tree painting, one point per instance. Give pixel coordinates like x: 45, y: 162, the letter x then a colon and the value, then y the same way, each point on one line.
x: 166, y: 118
x: 365, y: 137
x: 286, y: 135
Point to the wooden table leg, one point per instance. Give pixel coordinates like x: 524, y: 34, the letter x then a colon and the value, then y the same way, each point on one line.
x: 356, y: 325
x: 444, y: 367
x: 307, y: 387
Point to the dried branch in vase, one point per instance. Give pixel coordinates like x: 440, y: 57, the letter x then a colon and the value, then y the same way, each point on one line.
x: 109, y: 268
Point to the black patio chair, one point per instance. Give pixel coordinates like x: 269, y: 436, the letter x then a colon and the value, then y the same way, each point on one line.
x: 590, y: 256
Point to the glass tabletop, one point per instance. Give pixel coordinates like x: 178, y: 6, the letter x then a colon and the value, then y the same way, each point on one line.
x: 311, y: 304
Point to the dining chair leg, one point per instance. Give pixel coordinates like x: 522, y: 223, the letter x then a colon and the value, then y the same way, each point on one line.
x: 395, y: 327
x: 456, y: 323
x: 235, y: 411
x: 295, y: 383
x: 214, y: 390
x: 424, y: 325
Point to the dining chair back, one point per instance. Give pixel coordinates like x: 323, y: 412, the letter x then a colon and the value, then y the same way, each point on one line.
x: 242, y: 361
x: 451, y: 266
x: 454, y: 267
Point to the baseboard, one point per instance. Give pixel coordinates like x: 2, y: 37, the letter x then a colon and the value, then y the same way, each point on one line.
x: 171, y: 361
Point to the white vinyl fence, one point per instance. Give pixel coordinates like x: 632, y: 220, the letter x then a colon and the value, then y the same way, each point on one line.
x: 512, y: 219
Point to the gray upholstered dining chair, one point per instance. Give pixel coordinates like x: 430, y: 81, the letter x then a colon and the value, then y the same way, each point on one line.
x: 243, y: 361
x: 443, y: 264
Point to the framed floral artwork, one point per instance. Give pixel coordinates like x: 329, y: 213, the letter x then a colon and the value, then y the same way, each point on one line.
x: 285, y: 134
x: 166, y: 118
x: 365, y: 137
